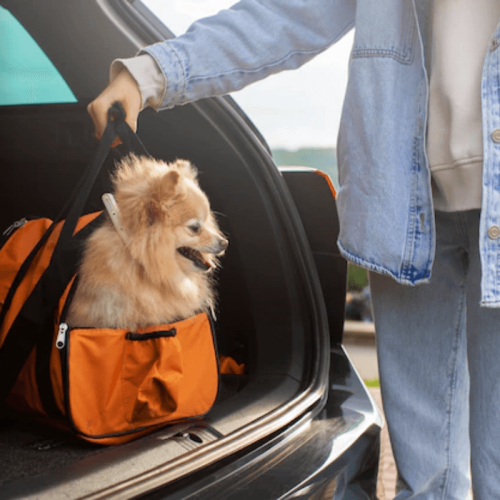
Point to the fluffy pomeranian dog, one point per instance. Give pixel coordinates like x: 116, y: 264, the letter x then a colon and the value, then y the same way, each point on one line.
x: 152, y: 261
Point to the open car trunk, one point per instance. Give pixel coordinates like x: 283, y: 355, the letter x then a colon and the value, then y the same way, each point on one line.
x: 271, y: 315
x: 267, y: 317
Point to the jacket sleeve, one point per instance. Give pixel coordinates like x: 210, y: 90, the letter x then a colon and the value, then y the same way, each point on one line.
x: 246, y: 43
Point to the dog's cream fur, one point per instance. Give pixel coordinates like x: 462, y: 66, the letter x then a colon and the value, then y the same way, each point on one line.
x: 142, y: 279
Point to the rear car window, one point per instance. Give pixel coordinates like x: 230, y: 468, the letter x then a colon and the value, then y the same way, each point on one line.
x: 27, y: 76
x: 180, y: 14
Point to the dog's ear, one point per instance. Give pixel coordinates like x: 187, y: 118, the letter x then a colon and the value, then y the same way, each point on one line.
x: 169, y: 185
x: 164, y: 192
x: 187, y: 168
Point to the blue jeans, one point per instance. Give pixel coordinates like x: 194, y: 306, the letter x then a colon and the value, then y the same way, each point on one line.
x: 439, y: 359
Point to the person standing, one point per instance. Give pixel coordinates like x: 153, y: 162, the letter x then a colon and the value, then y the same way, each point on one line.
x: 419, y: 197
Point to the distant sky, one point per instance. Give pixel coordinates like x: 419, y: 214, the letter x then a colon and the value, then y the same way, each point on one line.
x: 293, y: 109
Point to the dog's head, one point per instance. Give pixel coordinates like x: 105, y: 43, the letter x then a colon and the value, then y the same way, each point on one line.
x: 167, y: 217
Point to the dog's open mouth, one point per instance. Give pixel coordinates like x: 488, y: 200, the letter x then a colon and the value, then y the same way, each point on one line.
x: 196, y: 257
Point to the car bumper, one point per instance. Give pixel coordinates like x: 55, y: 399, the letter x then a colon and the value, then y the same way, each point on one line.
x: 330, y: 452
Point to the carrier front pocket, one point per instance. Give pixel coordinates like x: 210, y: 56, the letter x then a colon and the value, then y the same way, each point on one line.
x: 152, y: 371
x: 120, y: 384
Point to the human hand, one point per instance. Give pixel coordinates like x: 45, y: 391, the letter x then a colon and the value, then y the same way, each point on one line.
x: 122, y: 89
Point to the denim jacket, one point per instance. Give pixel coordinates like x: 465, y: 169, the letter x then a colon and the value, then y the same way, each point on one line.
x: 384, y: 199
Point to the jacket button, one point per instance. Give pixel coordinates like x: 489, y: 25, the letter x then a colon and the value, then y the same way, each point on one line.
x: 494, y: 44
x: 496, y: 135
x: 494, y: 232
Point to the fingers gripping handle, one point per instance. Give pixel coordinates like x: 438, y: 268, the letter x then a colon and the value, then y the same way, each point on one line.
x: 116, y: 112
x: 132, y: 143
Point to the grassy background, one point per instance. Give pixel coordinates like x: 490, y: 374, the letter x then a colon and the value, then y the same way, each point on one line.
x: 357, y: 278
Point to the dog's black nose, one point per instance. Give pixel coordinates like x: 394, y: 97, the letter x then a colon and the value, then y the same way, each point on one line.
x: 223, y: 243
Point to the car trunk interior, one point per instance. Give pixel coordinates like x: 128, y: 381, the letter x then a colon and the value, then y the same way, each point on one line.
x: 267, y: 315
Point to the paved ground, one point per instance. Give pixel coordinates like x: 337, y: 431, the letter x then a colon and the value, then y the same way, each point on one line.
x: 360, y: 345
x: 387, y: 475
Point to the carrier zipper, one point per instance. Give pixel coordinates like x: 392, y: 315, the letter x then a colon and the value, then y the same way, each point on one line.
x: 62, y: 343
x: 61, y: 336
x: 15, y: 225
x: 13, y: 228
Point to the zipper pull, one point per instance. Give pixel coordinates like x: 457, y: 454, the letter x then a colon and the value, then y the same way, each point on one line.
x: 14, y: 226
x: 61, y: 336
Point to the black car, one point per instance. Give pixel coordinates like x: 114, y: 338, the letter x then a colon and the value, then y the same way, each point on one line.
x: 299, y: 423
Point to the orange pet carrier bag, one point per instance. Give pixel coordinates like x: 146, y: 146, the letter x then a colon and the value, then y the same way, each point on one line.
x: 108, y: 386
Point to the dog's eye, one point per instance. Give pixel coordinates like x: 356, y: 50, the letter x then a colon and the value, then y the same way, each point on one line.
x: 195, y: 227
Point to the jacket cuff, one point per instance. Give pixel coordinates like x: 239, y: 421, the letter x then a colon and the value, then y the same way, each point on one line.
x: 146, y: 72
x: 172, y: 70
